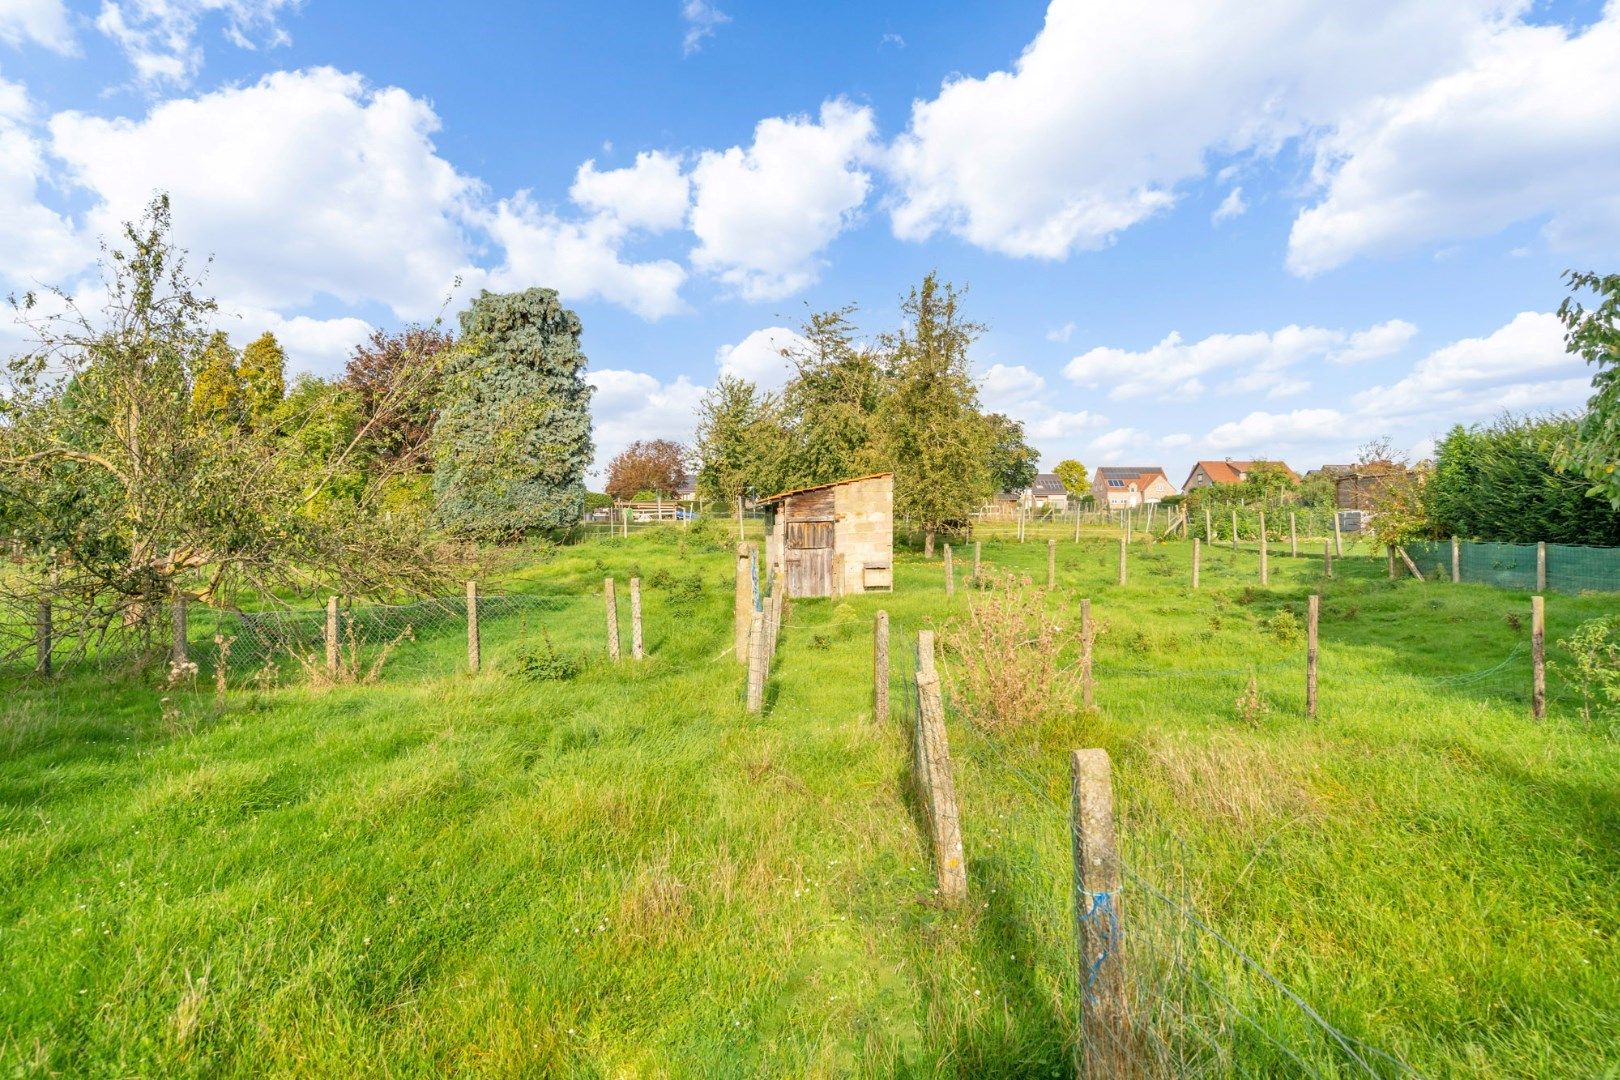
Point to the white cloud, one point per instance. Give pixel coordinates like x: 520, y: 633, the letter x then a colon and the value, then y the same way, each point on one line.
x: 160, y: 36
x: 1112, y: 106
x: 1530, y: 128
x: 1118, y: 443
x: 701, y: 19
x: 763, y: 215
x: 758, y: 357
x: 1264, y: 432
x: 580, y: 259
x: 631, y: 405
x: 1521, y: 365
x: 43, y: 22
x: 40, y: 246
x: 652, y: 194
x: 1232, y: 206
x: 1062, y: 333
x: 303, y: 184
x: 318, y: 346
x: 1258, y: 362
x: 1375, y: 342
x: 1005, y: 386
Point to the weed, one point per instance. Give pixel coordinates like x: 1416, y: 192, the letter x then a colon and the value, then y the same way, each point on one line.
x: 547, y: 663
x: 821, y: 642
x: 1284, y: 626
x: 1251, y: 706
x: 1006, y: 649
x: 1594, y: 649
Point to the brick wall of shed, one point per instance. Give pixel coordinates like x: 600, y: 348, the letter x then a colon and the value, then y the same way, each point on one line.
x: 864, y: 529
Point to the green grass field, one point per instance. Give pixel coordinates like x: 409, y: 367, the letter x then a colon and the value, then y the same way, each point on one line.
x: 626, y: 874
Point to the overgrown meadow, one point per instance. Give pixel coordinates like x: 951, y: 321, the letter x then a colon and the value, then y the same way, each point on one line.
x: 563, y: 866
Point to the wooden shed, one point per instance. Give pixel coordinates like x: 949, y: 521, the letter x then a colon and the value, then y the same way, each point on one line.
x: 833, y: 539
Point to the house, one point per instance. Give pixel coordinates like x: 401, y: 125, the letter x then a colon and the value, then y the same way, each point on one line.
x: 1048, y: 491
x: 1212, y: 473
x: 1116, y: 487
x: 686, y: 490
x: 833, y: 539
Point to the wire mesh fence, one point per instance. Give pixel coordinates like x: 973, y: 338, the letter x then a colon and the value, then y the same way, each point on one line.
x: 1567, y: 568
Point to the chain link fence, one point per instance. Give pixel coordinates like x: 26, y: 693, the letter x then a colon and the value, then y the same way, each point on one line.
x: 1569, y: 568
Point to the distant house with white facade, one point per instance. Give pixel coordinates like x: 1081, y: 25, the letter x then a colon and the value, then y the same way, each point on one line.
x: 1047, y: 491
x: 1118, y: 487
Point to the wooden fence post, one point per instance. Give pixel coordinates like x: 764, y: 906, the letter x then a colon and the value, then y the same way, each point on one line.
x: 1265, y: 552
x: 636, y: 651
x: 1209, y: 526
x: 1327, y: 558
x: 1122, y: 548
x: 1312, y: 616
x: 1541, y: 567
x: 950, y: 864
x: 1087, y: 639
x: 611, y: 601
x: 1234, y: 531
x: 1130, y: 521
x: 739, y: 519
x: 1098, y: 919
x: 44, y: 637
x: 975, y: 562
x: 742, y: 605
x: 1338, y: 537
x: 331, y: 635
x: 1197, y: 558
x: 880, y: 668
x: 1051, y: 564
x: 474, y: 650
x: 178, y: 651
x: 1077, y: 523
x: 950, y: 572
x: 1456, y: 560
x: 756, y: 662
x: 1538, y: 657
x: 1293, y: 536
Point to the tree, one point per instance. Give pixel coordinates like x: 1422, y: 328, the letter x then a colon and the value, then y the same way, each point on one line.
x: 1013, y: 462
x: 216, y: 382
x: 657, y: 466
x: 1073, y: 475
x: 830, y: 407
x: 383, y: 361
x: 264, y: 377
x: 513, y: 438
x: 120, y: 497
x: 1593, y: 449
x: 937, y: 439
x: 739, y: 438
x: 1267, y: 481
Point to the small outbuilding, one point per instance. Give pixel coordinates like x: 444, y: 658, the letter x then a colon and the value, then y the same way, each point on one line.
x: 833, y: 539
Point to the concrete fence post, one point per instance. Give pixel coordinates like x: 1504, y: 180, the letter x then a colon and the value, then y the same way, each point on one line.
x: 1234, y: 531
x: 332, y: 635
x: 880, y: 668
x: 1088, y: 637
x: 1098, y: 919
x: 1123, y: 545
x: 756, y: 662
x: 611, y: 602
x: 1293, y: 536
x: 975, y: 562
x: 474, y: 644
x: 1327, y: 558
x: 1313, y: 614
x: 1209, y: 526
x: 179, y: 649
x: 636, y: 651
x: 1051, y: 564
x: 1538, y: 657
x: 1197, y: 558
x: 1392, y: 562
x: 1456, y: 560
x: 1541, y: 567
x: 1338, y: 537
x: 950, y: 863
x: 1077, y: 524
x: 1265, y: 552
x: 742, y: 605
x: 950, y: 572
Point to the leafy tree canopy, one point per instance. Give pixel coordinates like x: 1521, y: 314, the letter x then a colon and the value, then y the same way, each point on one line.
x: 1592, y: 449
x: 264, y: 377
x: 1014, y: 463
x: 654, y: 467
x: 1074, y: 477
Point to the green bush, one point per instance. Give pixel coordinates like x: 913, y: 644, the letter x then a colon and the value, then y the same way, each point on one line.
x: 547, y: 663
x: 687, y: 590
x: 1284, y: 627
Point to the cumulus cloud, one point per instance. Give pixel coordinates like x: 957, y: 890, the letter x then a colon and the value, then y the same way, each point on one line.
x: 1529, y: 128
x: 160, y: 36
x: 631, y: 405
x: 1375, y: 342
x: 40, y: 246
x: 304, y: 184
x: 701, y: 19
x: 1254, y: 362
x: 41, y: 22
x: 762, y: 215
x: 1111, y: 107
x: 652, y: 194
x: 1266, y: 431
x: 317, y: 346
x: 758, y: 357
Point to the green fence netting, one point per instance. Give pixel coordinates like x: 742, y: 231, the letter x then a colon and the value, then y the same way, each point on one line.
x: 1570, y: 569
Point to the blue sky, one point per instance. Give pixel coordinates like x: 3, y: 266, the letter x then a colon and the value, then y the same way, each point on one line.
x: 1209, y: 229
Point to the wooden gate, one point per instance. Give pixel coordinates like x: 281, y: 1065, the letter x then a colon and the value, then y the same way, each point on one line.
x: 809, y: 558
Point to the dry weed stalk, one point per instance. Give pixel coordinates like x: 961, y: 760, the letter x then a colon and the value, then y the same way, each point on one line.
x: 349, y: 671
x: 1005, y: 669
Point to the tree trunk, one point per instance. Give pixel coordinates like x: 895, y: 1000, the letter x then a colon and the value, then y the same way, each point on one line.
x: 928, y: 543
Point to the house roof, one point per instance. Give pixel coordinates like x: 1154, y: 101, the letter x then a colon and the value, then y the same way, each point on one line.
x: 1229, y: 471
x: 1124, y: 475
x: 1048, y: 484
x: 780, y: 495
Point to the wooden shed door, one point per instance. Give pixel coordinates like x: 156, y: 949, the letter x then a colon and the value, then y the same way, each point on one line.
x: 809, y: 558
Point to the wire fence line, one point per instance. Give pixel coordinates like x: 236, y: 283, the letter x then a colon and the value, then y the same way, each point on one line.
x: 1565, y: 568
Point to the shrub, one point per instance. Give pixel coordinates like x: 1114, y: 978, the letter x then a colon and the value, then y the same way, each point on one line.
x: 1251, y: 705
x: 660, y: 578
x: 821, y: 642
x: 1006, y: 649
x: 547, y: 663
x: 1594, y: 666
x: 687, y: 590
x: 1284, y: 627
